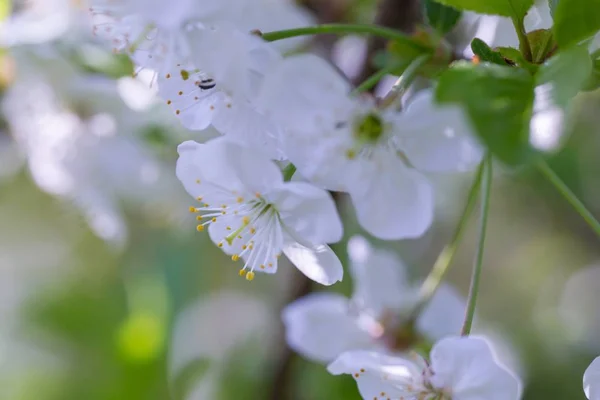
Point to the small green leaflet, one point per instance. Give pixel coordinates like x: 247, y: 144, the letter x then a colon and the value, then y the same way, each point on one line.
x: 498, y: 100
x: 508, y: 8
x: 576, y: 20
x: 485, y: 53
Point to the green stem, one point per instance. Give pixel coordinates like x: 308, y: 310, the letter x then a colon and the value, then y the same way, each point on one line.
x: 444, y: 260
x: 476, y: 276
x: 387, y: 33
x: 571, y: 197
x: 371, y: 81
x: 524, y: 45
x: 408, y: 76
x: 288, y: 172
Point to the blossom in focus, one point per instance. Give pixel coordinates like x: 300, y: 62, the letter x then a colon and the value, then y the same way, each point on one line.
x: 253, y: 215
x: 353, y: 144
x: 218, y: 83
x: 321, y: 326
x: 591, y: 380
x: 459, y: 368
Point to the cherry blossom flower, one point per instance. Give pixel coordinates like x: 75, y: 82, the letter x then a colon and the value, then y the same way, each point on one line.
x: 376, y: 154
x: 218, y: 83
x: 321, y: 326
x: 591, y: 380
x: 460, y: 368
x: 253, y: 215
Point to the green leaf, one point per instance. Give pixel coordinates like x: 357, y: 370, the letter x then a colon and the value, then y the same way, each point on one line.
x: 542, y: 44
x: 485, y: 53
x: 565, y: 74
x: 515, y: 57
x: 575, y: 20
x: 508, y: 8
x: 593, y: 81
x: 498, y: 100
x: 440, y: 17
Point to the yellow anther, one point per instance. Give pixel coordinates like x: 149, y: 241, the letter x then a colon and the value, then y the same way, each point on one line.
x: 242, y: 272
x: 206, y: 205
x: 228, y: 228
x: 223, y: 212
x: 198, y: 217
x: 214, y: 219
x: 351, y: 154
x: 246, y: 220
x: 252, y: 231
x: 235, y: 257
x: 244, y: 247
x: 239, y: 236
x: 193, y: 209
x: 270, y: 265
x: 223, y: 205
x: 250, y: 276
x: 198, y: 181
x: 240, y: 199
x: 220, y: 244
x: 199, y: 198
x: 258, y: 196
x: 200, y: 228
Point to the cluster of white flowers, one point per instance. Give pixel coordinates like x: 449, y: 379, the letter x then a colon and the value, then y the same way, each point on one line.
x: 286, y: 131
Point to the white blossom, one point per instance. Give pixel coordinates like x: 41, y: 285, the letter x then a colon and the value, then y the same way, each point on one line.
x: 321, y: 326
x: 460, y: 368
x: 353, y: 144
x: 591, y: 380
x: 252, y: 214
x: 218, y: 83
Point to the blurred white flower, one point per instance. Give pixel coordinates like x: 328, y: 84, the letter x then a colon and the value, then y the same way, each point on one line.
x: 69, y: 132
x: 578, y: 310
x: 321, y: 326
x: 39, y: 21
x: 460, y: 368
x: 253, y: 214
x: 211, y: 329
x: 591, y: 380
x: 375, y: 154
x: 218, y: 83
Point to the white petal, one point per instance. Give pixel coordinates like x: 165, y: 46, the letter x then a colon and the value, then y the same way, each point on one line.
x: 444, y: 314
x: 467, y: 367
x: 437, y: 138
x: 308, y: 211
x: 227, y: 164
x: 320, y: 327
x: 302, y: 91
x: 394, y: 202
x: 376, y: 373
x: 318, y: 263
x: 591, y: 380
x: 379, y: 277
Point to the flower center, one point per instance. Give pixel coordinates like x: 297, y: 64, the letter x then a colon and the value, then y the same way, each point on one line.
x: 253, y: 230
x: 369, y: 128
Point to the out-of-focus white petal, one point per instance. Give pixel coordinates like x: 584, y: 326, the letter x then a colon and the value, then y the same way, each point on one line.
x: 318, y: 263
x: 444, y: 314
x: 376, y: 373
x: 302, y: 92
x: 466, y: 366
x: 396, y: 205
x: 309, y: 211
x: 320, y: 326
x: 437, y: 138
x: 380, y: 281
x: 591, y: 380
